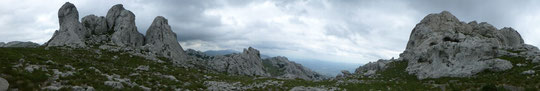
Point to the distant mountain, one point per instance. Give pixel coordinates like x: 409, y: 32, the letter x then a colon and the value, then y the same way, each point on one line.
x: 327, y: 68
x: 220, y: 52
x: 225, y: 52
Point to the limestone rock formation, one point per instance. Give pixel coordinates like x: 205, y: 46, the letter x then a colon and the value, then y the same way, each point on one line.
x: 19, y: 44
x: 4, y: 85
x: 371, y: 67
x: 96, y: 25
x: 160, y: 39
x: 99, y: 34
x: 281, y: 67
x: 247, y: 63
x: 442, y: 46
x: 122, y: 21
x: 71, y: 32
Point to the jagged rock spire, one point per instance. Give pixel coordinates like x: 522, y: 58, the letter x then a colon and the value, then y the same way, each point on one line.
x: 122, y: 21
x: 71, y: 31
x: 162, y: 40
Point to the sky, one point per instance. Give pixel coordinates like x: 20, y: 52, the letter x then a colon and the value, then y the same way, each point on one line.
x: 347, y: 31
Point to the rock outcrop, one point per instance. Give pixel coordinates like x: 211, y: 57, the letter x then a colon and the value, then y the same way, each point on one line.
x: 19, y: 44
x: 160, y: 39
x: 71, y: 32
x: 4, y: 85
x: 117, y: 32
x: 247, y: 63
x: 281, y: 67
x: 370, y: 68
x: 442, y: 46
x: 122, y: 21
x: 97, y: 25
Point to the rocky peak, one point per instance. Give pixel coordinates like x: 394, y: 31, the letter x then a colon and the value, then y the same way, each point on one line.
x: 442, y: 46
x: 123, y: 23
x: 68, y: 13
x: 19, y: 44
x: 252, y: 51
x: 281, y: 67
x: 112, y: 14
x: 247, y: 63
x: 444, y: 16
x: 162, y: 40
x: 96, y: 25
x: 71, y: 31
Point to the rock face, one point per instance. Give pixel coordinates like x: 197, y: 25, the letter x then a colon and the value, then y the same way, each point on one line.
x: 98, y: 29
x: 160, y: 39
x: 371, y: 67
x: 442, y: 46
x: 19, y: 44
x: 71, y: 32
x: 247, y: 63
x: 117, y: 32
x: 123, y: 23
x: 281, y: 67
x: 4, y: 85
x: 96, y: 25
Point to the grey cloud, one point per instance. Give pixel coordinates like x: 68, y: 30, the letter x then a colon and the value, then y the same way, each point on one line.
x: 352, y: 30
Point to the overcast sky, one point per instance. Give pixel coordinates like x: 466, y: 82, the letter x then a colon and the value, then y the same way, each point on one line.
x: 332, y: 30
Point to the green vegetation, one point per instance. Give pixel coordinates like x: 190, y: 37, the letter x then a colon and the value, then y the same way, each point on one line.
x: 15, y: 60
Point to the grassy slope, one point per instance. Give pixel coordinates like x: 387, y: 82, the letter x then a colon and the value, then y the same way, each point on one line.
x: 393, y: 78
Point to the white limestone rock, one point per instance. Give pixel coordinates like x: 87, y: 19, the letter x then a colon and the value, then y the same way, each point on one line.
x: 20, y: 44
x: 247, y: 63
x: 114, y: 84
x: 122, y: 21
x: 160, y: 39
x: 289, y: 69
x: 71, y: 32
x: 4, y: 85
x: 371, y: 67
x: 442, y: 46
x: 528, y: 72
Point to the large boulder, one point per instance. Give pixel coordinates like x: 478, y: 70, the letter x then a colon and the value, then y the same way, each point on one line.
x: 71, y: 32
x: 247, y: 63
x: 372, y: 67
x: 442, y: 46
x: 283, y: 68
x: 4, y: 85
x: 122, y: 21
x: 160, y: 39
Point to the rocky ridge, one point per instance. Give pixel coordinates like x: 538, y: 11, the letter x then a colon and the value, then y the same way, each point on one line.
x: 281, y: 67
x: 19, y: 44
x: 117, y: 32
x: 442, y: 46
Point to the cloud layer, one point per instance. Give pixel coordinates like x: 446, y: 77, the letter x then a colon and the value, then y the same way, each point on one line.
x: 332, y: 30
